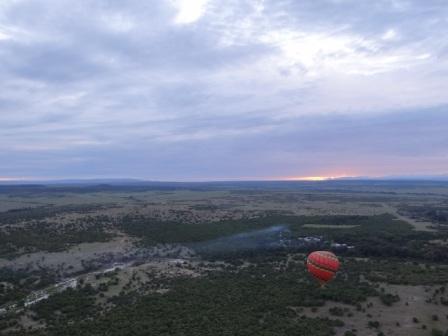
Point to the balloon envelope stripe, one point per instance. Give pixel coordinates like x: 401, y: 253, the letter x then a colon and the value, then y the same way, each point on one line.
x: 320, y: 274
x: 324, y: 262
x: 323, y: 267
x: 328, y: 255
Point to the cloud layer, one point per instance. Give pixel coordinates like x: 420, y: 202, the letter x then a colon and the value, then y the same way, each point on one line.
x: 185, y: 89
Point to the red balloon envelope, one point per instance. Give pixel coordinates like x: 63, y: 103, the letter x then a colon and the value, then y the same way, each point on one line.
x: 323, y: 265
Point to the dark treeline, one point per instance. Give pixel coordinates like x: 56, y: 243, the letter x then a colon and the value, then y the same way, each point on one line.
x: 43, y: 212
x: 263, y: 299
x: 42, y: 237
x: 371, y: 236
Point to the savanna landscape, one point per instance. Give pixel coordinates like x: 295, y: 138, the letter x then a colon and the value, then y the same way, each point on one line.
x: 223, y: 258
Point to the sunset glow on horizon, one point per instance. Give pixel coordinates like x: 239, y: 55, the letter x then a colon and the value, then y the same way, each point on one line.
x: 9, y: 178
x: 312, y: 178
x: 318, y: 177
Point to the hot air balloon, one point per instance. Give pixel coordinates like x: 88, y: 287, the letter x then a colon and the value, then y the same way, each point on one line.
x: 323, y: 265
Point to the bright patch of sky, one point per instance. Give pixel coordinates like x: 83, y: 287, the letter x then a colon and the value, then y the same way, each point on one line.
x: 189, y: 11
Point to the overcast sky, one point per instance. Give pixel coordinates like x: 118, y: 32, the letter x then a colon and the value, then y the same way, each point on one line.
x: 223, y: 89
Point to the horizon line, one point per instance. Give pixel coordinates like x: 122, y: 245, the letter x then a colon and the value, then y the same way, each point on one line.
x: 19, y: 181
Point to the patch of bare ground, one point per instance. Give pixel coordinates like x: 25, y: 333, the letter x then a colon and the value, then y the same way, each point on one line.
x: 145, y: 278
x: 439, y: 242
x: 72, y: 259
x: 413, y: 315
x: 304, y: 207
x: 27, y: 322
x: 418, y: 225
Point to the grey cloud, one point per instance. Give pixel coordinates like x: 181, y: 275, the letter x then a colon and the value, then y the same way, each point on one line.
x: 293, y: 147
x: 116, y: 88
x: 52, y: 63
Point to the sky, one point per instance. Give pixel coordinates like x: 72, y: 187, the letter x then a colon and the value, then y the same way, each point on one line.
x: 223, y: 89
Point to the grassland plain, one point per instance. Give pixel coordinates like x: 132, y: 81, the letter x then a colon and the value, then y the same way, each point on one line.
x: 223, y: 259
